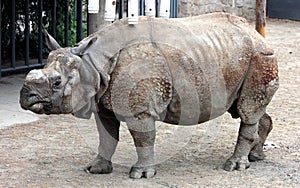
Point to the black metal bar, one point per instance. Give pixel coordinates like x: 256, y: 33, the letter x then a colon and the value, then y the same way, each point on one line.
x: 87, y: 18
x: 0, y: 41
x: 40, y: 34
x: 67, y: 23
x: 175, y: 8
x: 13, y: 34
x: 26, y: 32
x: 21, y: 68
x: 142, y: 7
x: 157, y: 8
x: 127, y: 13
x: 121, y: 9
x: 171, y: 9
x: 79, y: 20
x: 53, y: 15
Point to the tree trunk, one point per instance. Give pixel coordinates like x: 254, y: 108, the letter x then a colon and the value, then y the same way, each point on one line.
x: 260, y: 23
x: 96, y: 21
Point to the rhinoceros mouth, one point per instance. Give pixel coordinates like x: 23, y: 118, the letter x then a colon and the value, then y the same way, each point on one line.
x: 39, y: 106
x: 38, y: 102
x: 35, y: 103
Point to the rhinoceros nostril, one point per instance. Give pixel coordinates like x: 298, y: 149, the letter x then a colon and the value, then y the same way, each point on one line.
x: 28, y: 97
x: 32, y: 95
x: 32, y: 99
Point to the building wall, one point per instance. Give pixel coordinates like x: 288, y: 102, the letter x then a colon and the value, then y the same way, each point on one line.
x: 244, y: 8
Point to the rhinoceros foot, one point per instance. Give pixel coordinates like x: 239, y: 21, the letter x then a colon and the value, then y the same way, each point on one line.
x: 99, y: 166
x: 256, y: 156
x: 140, y: 172
x: 237, y: 164
x: 264, y: 128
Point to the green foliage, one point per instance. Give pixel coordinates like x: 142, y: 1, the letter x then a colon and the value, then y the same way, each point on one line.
x: 33, y: 25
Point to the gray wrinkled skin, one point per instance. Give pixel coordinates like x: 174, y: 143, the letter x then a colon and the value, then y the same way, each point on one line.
x: 181, y: 71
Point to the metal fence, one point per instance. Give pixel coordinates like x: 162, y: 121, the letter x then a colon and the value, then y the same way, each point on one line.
x: 11, y: 61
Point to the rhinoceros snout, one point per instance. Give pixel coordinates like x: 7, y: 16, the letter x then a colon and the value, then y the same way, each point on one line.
x: 31, y: 101
x: 24, y: 96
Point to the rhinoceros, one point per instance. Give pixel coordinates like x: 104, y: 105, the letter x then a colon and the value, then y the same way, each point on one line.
x: 181, y: 71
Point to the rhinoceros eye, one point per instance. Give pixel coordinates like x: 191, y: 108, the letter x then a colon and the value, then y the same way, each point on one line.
x: 56, y: 82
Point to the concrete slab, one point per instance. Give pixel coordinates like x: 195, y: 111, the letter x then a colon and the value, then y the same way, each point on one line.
x: 10, y: 111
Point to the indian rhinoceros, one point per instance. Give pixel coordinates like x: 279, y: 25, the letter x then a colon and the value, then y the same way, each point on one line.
x: 180, y: 71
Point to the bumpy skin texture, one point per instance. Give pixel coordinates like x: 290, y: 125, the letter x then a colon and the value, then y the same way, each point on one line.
x: 180, y: 71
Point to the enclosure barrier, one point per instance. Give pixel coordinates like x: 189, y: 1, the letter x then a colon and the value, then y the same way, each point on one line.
x: 11, y: 65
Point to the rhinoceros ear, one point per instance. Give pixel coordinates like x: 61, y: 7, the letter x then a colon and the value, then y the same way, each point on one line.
x: 83, y: 46
x: 50, y: 41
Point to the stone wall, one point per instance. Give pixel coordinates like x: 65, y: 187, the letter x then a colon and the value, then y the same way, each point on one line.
x: 244, y: 8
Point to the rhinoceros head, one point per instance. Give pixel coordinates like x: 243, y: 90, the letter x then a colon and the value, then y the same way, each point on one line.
x: 64, y: 85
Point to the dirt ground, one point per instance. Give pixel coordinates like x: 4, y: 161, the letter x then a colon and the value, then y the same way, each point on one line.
x: 52, y: 151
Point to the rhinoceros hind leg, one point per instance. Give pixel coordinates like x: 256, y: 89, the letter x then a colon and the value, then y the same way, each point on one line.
x: 264, y: 128
x: 99, y: 166
x: 259, y: 86
x: 247, y: 138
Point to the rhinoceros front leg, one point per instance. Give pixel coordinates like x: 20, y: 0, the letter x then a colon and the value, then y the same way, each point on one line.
x: 108, y: 127
x: 247, y: 139
x: 142, y: 129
